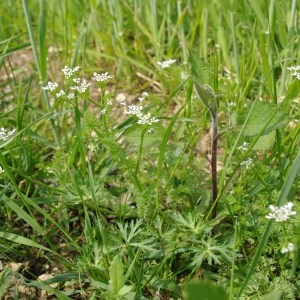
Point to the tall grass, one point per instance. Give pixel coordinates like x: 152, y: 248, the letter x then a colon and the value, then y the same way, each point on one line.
x: 107, y: 208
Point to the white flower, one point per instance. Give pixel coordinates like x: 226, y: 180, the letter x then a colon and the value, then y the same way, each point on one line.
x: 150, y: 130
x: 296, y: 70
x: 60, y: 93
x: 71, y: 96
x: 142, y: 119
x: 166, y: 63
x: 244, y: 146
x: 134, y: 110
x: 4, y: 135
x: 92, y: 147
x: 103, y: 111
x: 289, y: 248
x: 81, y: 86
x: 1, y: 170
x: 247, y: 163
x: 145, y: 94
x: 101, y: 77
x: 281, y: 213
x: 147, y: 119
x: 109, y: 102
x: 76, y: 80
x: 51, y: 86
x: 68, y: 72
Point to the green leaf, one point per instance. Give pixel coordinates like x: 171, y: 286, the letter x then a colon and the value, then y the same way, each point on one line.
x: 207, y: 290
x: 201, y: 74
x: 264, y: 118
x: 166, y: 284
x: 292, y: 93
x: 201, y: 71
x: 125, y: 290
x: 265, y: 142
x: 134, y: 136
x: 21, y: 240
x: 21, y: 213
x: 116, y: 273
x: 275, y: 295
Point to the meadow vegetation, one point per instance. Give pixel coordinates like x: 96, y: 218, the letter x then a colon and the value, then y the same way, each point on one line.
x: 149, y: 149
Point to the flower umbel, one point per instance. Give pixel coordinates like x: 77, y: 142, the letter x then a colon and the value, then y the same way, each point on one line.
x: 51, y: 86
x: 244, y: 146
x: 5, y: 135
x: 101, y: 77
x: 69, y: 72
x: 167, y: 63
x: 143, y: 119
x: 247, y: 163
x: 289, y: 248
x: 296, y: 71
x: 81, y: 85
x: 281, y: 213
x: 60, y: 93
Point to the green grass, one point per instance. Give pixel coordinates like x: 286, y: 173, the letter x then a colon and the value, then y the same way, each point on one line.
x: 112, y: 209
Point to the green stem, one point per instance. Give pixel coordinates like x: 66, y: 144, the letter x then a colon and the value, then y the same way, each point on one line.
x: 214, y: 175
x: 139, y: 153
x: 294, y: 264
x: 103, y: 105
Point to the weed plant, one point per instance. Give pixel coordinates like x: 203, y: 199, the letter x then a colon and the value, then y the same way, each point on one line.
x: 110, y: 188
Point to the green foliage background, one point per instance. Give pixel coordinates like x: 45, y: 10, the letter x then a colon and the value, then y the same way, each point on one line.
x: 129, y: 219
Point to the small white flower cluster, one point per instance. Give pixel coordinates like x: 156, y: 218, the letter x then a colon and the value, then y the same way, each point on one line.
x: 69, y: 72
x: 51, y: 86
x: 289, y: 248
x: 167, y: 63
x: 146, y: 119
x: 5, y: 135
x: 81, y: 85
x: 247, y: 163
x: 296, y: 70
x: 144, y: 96
x: 281, y: 213
x: 244, y: 146
x: 60, y: 93
x: 101, y: 77
x: 137, y: 111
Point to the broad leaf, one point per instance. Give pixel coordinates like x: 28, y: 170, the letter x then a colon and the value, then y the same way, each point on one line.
x: 204, y: 290
x: 201, y: 71
x: 116, y: 273
x: 134, y: 136
x: 275, y: 295
x: 264, y: 118
x: 265, y: 142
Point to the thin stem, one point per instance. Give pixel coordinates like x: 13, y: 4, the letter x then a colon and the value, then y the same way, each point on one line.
x: 295, y: 261
x: 139, y: 153
x: 214, y: 147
